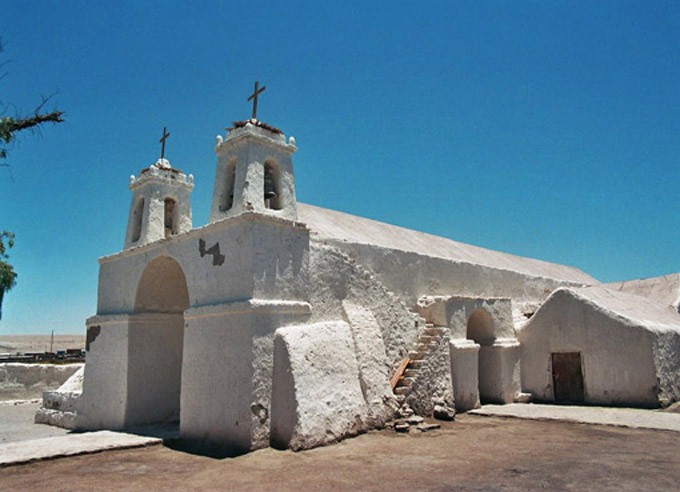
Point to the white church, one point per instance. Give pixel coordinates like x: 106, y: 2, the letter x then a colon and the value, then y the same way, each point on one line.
x: 288, y: 325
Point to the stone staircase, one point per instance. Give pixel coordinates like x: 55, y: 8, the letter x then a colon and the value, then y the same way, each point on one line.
x: 407, y: 373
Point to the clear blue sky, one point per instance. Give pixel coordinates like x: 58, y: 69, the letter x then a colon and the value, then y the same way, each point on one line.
x: 545, y: 129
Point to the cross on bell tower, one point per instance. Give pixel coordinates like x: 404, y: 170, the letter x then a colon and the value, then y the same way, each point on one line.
x: 162, y: 141
x: 253, y: 97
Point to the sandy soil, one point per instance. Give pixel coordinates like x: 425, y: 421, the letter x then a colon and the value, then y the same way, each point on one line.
x: 39, y: 343
x: 473, y: 453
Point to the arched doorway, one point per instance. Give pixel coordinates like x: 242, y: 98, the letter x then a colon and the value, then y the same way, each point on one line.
x: 480, y: 329
x: 155, y: 344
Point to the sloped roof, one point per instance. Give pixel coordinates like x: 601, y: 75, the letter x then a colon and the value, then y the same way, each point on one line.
x: 642, y: 311
x: 664, y: 290
x: 340, y: 227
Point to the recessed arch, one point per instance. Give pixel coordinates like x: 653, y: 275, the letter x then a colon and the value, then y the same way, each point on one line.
x: 156, y: 343
x: 162, y: 288
x: 480, y: 327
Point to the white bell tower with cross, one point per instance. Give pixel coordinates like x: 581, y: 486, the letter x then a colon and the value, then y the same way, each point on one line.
x: 254, y: 170
x: 161, y: 205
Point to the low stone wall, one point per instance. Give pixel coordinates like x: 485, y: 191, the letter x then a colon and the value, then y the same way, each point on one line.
x: 20, y: 381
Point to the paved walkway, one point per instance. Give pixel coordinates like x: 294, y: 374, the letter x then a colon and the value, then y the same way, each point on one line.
x: 17, y: 422
x: 621, y: 417
x: 69, y: 445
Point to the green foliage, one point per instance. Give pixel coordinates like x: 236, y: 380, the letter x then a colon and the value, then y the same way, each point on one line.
x: 8, y: 277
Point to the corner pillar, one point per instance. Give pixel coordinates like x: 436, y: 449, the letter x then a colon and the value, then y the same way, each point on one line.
x: 228, y: 370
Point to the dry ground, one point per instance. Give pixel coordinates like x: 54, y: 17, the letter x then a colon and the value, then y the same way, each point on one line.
x: 39, y: 343
x: 473, y: 453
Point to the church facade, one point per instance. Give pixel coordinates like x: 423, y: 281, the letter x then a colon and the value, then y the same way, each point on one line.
x: 284, y: 324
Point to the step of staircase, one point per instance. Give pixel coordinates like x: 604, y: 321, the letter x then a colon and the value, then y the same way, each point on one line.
x: 415, y: 355
x: 428, y: 341
x: 406, y: 381
x: 434, y: 331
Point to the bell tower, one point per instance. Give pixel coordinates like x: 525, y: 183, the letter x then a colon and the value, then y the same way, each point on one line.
x: 160, y: 204
x: 254, y: 170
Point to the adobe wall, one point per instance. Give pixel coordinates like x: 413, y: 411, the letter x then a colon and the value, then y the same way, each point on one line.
x: 335, y: 277
x: 247, y: 256
x: 411, y: 276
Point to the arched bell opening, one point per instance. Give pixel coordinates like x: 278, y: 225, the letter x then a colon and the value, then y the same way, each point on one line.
x: 170, y: 217
x: 272, y: 185
x: 480, y: 329
x: 229, y: 181
x: 155, y: 344
x: 137, y: 216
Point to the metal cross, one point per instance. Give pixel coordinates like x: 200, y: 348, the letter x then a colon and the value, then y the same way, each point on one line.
x: 162, y: 141
x: 253, y: 97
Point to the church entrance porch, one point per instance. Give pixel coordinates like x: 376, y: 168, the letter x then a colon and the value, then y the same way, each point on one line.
x: 134, y: 360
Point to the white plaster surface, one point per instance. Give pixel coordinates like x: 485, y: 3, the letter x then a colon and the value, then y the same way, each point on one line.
x: 374, y: 374
x: 102, y: 404
x: 413, y: 264
x: 465, y: 373
x: 335, y: 277
x: 227, y: 371
x: 499, y: 371
x: 662, y: 290
x: 70, y: 445
x: 264, y: 257
x: 317, y: 395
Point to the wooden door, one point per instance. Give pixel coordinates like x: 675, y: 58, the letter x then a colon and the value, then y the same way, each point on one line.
x: 567, y: 377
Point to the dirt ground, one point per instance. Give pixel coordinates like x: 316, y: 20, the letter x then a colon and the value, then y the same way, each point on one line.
x: 39, y: 343
x: 472, y: 454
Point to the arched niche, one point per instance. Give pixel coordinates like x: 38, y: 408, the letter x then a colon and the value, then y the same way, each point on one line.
x: 162, y: 288
x: 480, y: 327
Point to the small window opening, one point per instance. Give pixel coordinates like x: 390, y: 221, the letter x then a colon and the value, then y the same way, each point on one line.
x: 228, y: 196
x: 272, y: 186
x: 137, y: 221
x: 170, y: 217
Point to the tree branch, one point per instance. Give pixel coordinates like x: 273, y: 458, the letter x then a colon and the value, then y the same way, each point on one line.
x: 36, y: 119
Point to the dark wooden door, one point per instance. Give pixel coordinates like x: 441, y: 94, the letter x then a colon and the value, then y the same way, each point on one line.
x: 567, y: 377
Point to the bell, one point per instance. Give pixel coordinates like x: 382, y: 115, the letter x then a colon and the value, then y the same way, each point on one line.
x: 269, y: 192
